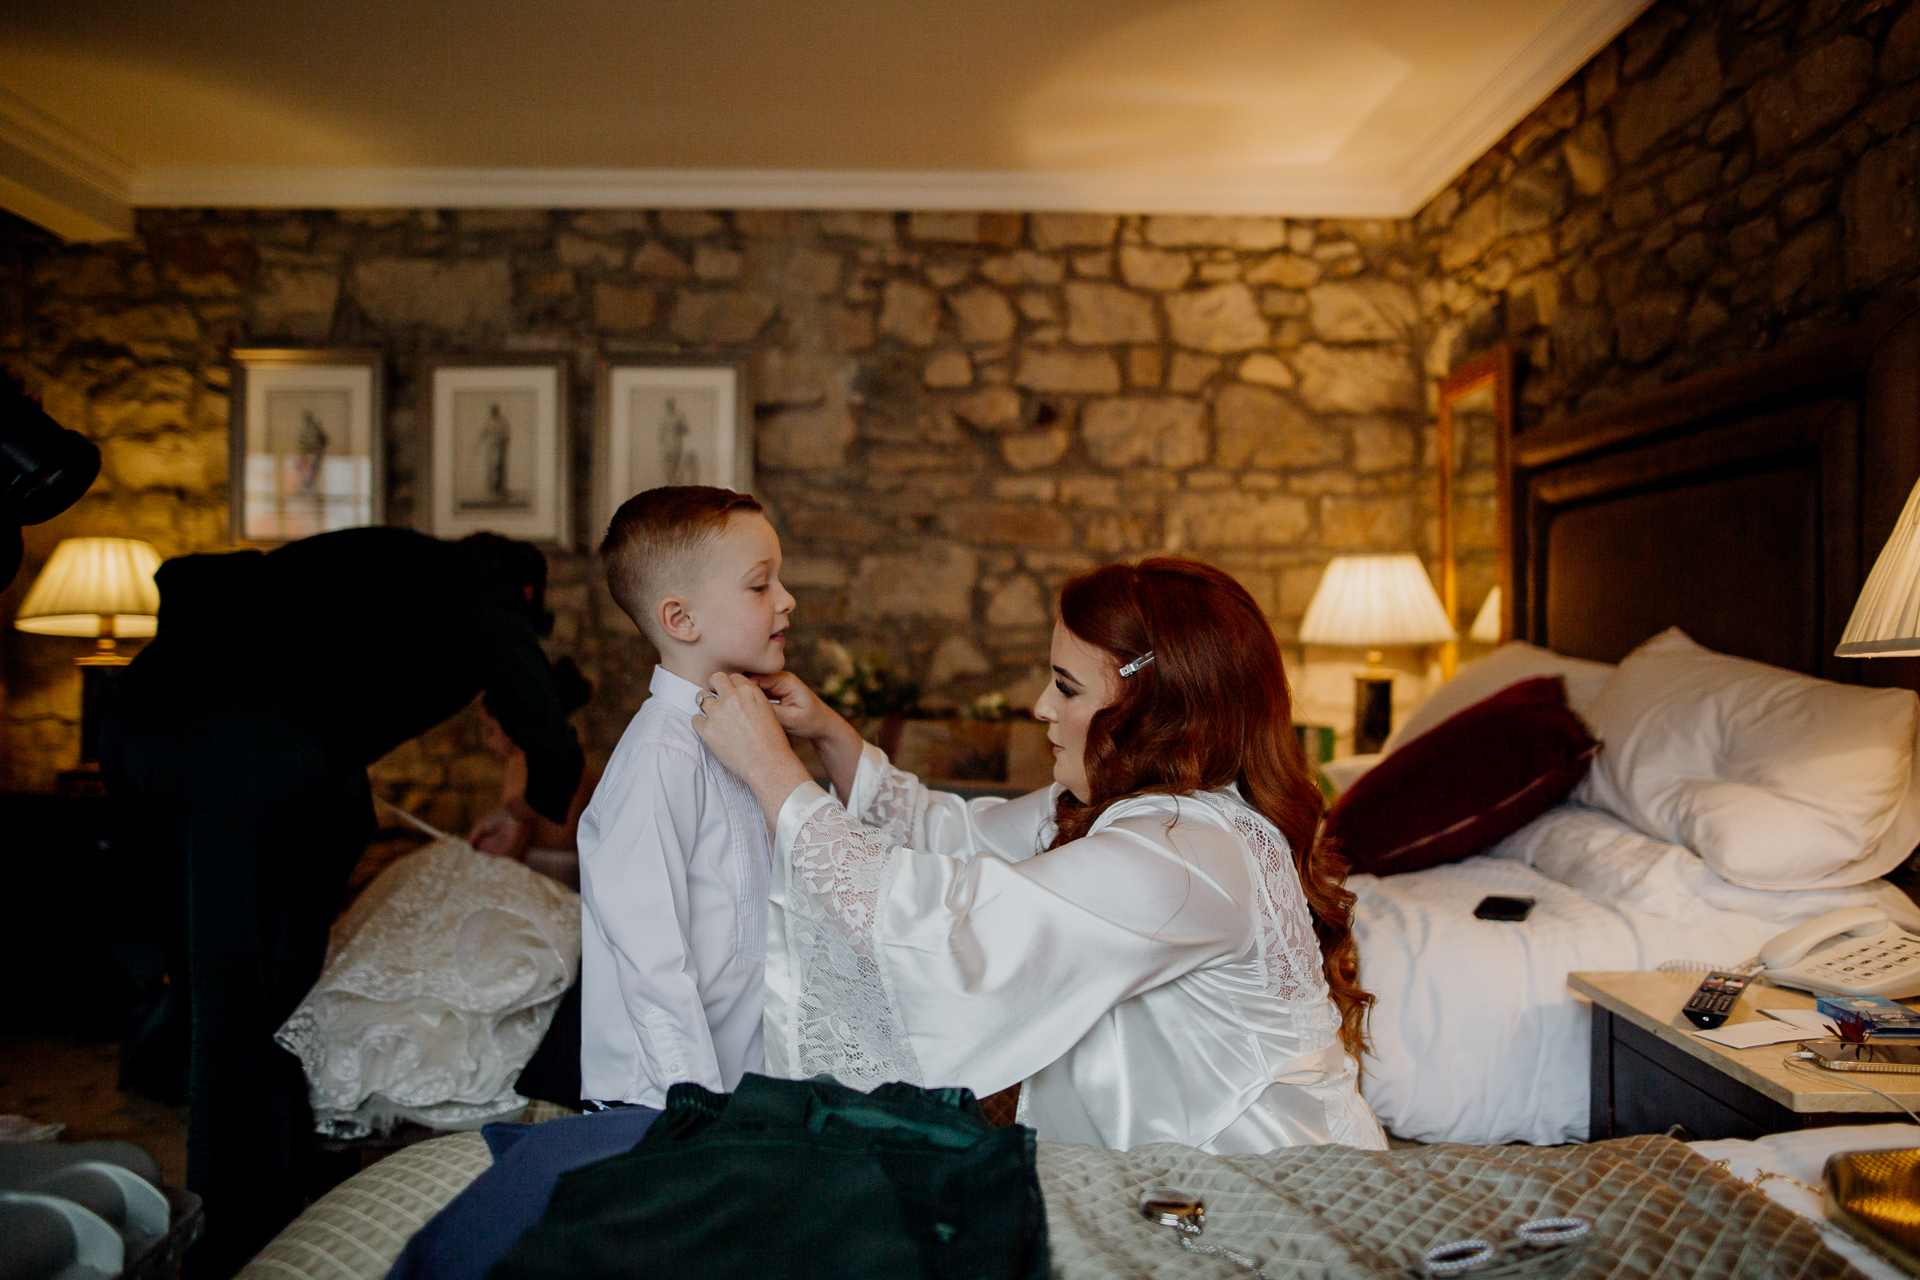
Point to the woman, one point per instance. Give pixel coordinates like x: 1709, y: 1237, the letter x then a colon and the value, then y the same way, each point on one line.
x: 1155, y: 949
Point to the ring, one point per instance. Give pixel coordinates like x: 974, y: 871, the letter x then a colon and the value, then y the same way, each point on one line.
x: 1553, y: 1230
x: 1461, y: 1255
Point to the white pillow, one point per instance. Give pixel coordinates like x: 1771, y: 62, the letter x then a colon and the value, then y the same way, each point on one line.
x: 1778, y: 780
x: 1508, y: 665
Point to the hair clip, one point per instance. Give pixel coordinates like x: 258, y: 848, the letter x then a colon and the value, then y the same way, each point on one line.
x: 1139, y: 662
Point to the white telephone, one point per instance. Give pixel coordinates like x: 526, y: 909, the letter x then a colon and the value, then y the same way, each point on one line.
x: 1855, y: 951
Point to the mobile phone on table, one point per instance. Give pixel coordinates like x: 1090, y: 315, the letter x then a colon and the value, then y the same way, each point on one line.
x: 1838, y: 1055
x: 1499, y: 908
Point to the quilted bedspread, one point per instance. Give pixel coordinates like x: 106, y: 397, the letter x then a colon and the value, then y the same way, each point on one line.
x: 1336, y: 1213
x: 1325, y: 1213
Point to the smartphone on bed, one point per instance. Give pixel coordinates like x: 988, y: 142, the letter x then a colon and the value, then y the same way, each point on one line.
x: 1499, y: 908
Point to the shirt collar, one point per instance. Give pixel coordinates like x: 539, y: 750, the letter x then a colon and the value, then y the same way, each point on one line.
x: 684, y: 695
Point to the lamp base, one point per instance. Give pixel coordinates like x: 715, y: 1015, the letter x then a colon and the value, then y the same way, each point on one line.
x: 97, y: 678
x: 1372, y: 711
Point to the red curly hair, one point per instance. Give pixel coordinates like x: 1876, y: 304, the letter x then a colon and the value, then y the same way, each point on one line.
x: 1212, y: 708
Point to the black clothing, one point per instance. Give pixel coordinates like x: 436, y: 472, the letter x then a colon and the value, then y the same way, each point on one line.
x: 800, y: 1179
x: 552, y: 1074
x: 369, y: 637
x: 236, y: 754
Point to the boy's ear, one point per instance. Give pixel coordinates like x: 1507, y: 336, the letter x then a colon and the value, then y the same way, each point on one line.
x: 677, y: 621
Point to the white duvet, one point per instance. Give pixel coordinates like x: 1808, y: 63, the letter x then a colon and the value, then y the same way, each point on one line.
x: 1476, y: 1037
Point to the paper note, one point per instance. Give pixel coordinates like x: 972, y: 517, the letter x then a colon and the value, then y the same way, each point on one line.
x: 1811, y: 1021
x: 1751, y: 1035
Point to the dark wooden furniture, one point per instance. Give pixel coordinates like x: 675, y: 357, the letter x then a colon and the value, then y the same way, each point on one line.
x: 76, y: 913
x: 1745, y: 505
x: 1650, y: 1072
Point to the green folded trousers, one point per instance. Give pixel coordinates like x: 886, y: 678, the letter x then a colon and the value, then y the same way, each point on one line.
x: 800, y: 1178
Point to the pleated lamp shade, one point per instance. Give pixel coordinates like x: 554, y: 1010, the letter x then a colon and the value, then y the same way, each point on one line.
x: 1486, y: 623
x: 1371, y: 602
x: 89, y: 578
x: 1886, y: 618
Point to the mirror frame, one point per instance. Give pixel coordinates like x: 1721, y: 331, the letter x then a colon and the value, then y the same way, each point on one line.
x: 1494, y: 369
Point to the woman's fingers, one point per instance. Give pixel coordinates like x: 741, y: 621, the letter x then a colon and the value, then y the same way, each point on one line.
x: 739, y: 727
x: 799, y: 709
x: 737, y: 723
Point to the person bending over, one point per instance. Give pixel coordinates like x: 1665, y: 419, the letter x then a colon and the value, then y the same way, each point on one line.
x: 235, y: 755
x: 673, y: 852
x: 1154, y: 949
x: 513, y: 830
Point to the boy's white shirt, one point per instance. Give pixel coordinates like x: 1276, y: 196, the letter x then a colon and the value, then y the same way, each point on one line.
x: 674, y: 867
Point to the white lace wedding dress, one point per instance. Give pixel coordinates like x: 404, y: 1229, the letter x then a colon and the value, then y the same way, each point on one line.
x: 1155, y: 981
x: 439, y: 982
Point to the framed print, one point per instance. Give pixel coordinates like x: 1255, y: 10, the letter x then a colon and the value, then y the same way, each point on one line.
x: 498, y: 455
x: 669, y: 424
x: 306, y: 450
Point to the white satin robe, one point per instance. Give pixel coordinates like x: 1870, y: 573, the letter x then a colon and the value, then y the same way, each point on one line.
x: 1157, y: 981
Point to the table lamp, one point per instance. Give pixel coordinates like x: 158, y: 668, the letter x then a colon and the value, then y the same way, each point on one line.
x: 1486, y: 623
x: 1371, y: 602
x: 1886, y: 618
x: 98, y: 587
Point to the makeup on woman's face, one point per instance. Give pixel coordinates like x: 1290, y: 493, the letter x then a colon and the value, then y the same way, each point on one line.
x: 1085, y: 679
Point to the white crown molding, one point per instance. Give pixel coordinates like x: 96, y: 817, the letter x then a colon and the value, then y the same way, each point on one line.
x: 1570, y: 38
x: 1308, y: 195
x: 55, y: 176
x: 60, y: 179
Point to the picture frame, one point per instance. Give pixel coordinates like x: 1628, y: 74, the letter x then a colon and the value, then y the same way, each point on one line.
x: 496, y: 457
x: 306, y: 443
x: 669, y: 422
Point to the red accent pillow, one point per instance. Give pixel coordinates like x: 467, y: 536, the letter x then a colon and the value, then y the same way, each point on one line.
x: 1473, y: 779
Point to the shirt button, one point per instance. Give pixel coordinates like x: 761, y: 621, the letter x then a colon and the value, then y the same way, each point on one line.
x: 673, y: 1066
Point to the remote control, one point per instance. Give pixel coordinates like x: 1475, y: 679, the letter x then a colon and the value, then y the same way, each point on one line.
x: 1714, y: 999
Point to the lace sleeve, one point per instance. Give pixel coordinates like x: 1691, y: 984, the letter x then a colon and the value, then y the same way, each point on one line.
x: 889, y: 799
x: 839, y: 1017
x: 840, y: 864
x: 1288, y: 945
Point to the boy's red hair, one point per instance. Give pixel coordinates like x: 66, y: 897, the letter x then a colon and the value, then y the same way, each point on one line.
x: 654, y: 541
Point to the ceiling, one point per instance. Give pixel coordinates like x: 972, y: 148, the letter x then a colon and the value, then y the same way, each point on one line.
x: 1304, y: 107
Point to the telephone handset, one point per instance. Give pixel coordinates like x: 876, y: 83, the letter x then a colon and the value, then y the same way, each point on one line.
x: 1855, y: 951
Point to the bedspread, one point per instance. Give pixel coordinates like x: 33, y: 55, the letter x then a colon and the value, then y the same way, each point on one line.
x: 1476, y: 1037
x: 1332, y: 1212
x: 1337, y: 1213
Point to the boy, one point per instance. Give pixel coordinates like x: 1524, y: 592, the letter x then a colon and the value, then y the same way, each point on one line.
x: 674, y: 860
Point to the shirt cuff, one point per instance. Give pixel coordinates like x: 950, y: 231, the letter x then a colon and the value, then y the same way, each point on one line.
x: 801, y: 805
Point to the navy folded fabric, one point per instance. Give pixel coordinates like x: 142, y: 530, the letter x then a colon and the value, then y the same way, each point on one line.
x: 481, y: 1224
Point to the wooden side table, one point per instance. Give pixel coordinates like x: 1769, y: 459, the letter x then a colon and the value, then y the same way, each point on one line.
x: 1651, y: 1072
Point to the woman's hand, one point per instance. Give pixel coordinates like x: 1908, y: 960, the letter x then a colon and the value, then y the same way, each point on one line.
x: 739, y: 726
x: 798, y: 708
x: 502, y: 833
x: 804, y: 715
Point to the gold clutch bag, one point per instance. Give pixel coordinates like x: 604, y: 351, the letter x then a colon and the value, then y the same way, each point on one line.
x: 1876, y: 1195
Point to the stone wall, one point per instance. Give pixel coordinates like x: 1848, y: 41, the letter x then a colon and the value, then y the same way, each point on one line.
x: 954, y: 412
x: 1727, y: 174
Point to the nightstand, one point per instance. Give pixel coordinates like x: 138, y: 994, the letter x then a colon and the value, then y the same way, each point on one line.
x: 76, y: 906
x: 1650, y: 1072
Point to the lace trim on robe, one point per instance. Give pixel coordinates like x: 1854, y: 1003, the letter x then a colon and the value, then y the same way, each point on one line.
x: 843, y: 1021
x: 846, y: 1024
x: 1290, y: 952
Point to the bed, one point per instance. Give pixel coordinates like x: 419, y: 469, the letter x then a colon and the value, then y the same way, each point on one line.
x: 1658, y: 1208
x: 1744, y: 506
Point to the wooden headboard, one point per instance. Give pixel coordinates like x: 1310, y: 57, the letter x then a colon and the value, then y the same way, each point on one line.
x: 1745, y: 505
